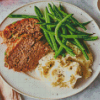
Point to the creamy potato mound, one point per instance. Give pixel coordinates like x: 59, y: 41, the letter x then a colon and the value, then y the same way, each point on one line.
x: 64, y: 71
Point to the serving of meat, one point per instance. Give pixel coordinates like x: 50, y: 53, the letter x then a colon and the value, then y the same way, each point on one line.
x: 24, y: 26
x: 25, y: 47
x: 26, y: 54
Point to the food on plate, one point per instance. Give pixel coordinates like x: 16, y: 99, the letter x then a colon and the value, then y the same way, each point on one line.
x: 59, y: 27
x: 64, y: 71
x: 51, y: 43
x: 25, y: 45
x: 25, y: 55
x: 15, y: 30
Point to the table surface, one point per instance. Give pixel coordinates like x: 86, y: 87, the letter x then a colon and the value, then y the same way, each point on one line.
x: 90, y: 6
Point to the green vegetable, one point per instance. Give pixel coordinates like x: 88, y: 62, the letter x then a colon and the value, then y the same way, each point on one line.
x: 80, y: 32
x: 85, y: 46
x: 80, y: 25
x: 63, y: 32
x: 83, y: 51
x: 70, y: 51
x: 61, y: 7
x: 74, y: 36
x: 86, y: 23
x: 55, y: 18
x: 85, y: 54
x: 56, y: 25
x: 21, y: 16
x: 73, y: 29
x: 45, y: 33
x: 5, y: 53
x: 51, y: 9
x: 57, y: 12
x: 41, y: 23
x: 91, y: 38
x: 38, y: 12
x: 74, y: 20
x: 61, y: 47
x: 77, y: 41
x: 14, y: 22
x: 53, y: 33
x: 48, y: 27
x: 12, y: 35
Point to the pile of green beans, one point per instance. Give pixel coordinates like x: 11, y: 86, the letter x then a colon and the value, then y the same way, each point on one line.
x: 59, y: 27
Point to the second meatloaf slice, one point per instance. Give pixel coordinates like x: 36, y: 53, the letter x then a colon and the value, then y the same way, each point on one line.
x: 26, y: 54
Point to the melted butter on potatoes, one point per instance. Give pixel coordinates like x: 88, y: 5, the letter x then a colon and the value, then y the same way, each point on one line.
x: 64, y: 71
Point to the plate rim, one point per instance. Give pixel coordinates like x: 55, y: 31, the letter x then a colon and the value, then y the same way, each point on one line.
x: 40, y: 97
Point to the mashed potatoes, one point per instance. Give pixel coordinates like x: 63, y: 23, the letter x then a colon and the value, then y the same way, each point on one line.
x: 64, y: 71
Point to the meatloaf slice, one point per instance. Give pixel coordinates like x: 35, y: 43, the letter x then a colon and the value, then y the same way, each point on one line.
x: 24, y: 26
x: 26, y: 54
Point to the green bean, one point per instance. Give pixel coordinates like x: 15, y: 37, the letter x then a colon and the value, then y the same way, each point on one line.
x: 61, y: 47
x: 38, y: 12
x: 84, y: 33
x: 69, y: 26
x: 85, y: 46
x: 83, y: 43
x: 45, y: 33
x: 77, y: 41
x: 63, y: 40
x: 74, y: 36
x: 73, y: 29
x: 61, y: 7
x: 80, y: 32
x: 70, y: 51
x: 48, y: 39
x: 91, y: 38
x: 46, y: 23
x: 63, y: 32
x: 51, y: 9
x: 52, y: 16
x: 74, y: 20
x: 85, y: 23
x: 57, y: 12
x: 85, y: 54
x: 65, y: 36
x: 83, y: 51
x: 53, y: 33
x: 48, y: 27
x: 52, y: 25
x: 21, y: 16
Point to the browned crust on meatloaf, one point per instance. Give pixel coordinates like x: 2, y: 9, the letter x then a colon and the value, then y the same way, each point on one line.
x: 26, y: 54
x: 24, y: 26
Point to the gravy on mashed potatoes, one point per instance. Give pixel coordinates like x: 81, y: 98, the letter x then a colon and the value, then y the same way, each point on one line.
x: 64, y: 71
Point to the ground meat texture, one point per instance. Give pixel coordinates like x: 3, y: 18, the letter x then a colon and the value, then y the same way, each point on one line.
x: 24, y: 26
x: 26, y: 54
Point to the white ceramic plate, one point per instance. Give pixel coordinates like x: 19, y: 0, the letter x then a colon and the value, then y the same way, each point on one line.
x: 35, y: 88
